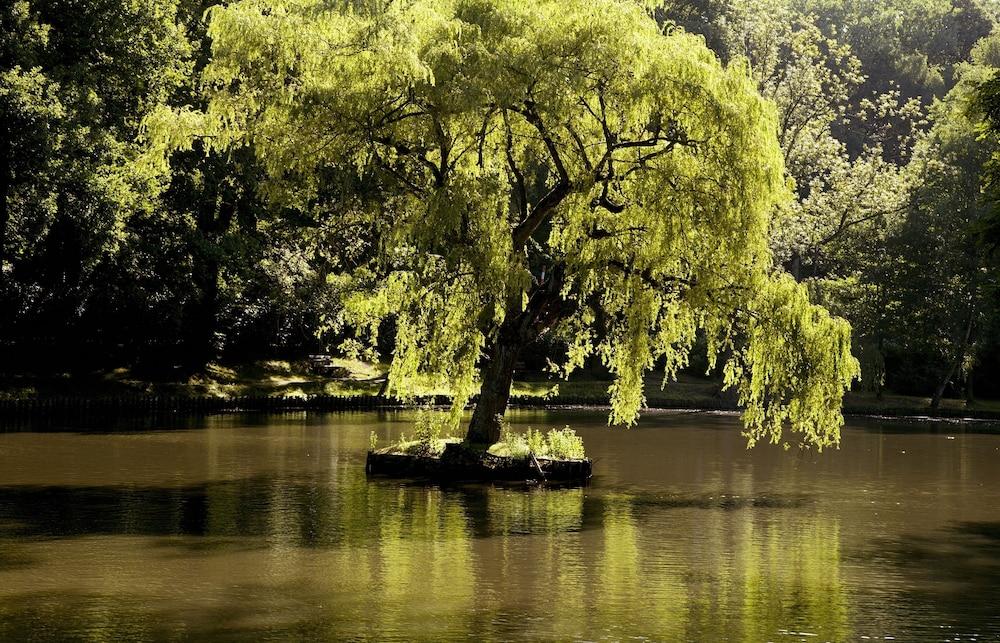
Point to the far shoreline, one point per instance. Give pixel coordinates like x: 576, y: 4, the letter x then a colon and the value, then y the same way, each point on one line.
x: 337, y: 384
x: 144, y: 404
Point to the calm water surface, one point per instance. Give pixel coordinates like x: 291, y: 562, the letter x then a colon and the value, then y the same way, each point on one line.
x: 265, y: 528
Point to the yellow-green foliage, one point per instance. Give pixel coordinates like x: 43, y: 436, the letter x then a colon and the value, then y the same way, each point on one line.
x: 432, y: 430
x: 431, y: 425
x: 511, y: 145
x: 565, y: 443
x: 561, y: 444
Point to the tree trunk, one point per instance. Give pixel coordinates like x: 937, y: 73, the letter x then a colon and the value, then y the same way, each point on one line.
x: 497, y: 375
x: 880, y: 375
x: 939, y: 391
x: 5, y: 181
x: 795, y: 266
x: 385, y: 386
x: 521, y: 326
x: 200, y: 316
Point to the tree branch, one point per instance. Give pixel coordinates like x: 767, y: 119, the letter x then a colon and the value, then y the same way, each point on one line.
x: 663, y: 282
x: 419, y: 154
x: 414, y: 188
x: 548, y: 203
x: 604, y: 201
x: 522, y: 192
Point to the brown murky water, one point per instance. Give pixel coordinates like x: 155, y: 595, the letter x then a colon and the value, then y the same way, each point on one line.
x: 265, y: 528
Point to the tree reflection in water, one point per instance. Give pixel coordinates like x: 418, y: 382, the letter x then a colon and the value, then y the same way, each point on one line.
x: 274, y: 531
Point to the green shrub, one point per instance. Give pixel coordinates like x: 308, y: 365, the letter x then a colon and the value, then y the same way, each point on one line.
x: 536, y: 442
x: 427, y: 427
x: 563, y: 444
x: 431, y: 432
x: 511, y: 444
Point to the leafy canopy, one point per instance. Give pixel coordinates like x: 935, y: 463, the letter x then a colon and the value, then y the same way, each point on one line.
x: 542, y: 163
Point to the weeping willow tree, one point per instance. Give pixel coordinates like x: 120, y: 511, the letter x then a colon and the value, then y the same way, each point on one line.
x: 525, y: 166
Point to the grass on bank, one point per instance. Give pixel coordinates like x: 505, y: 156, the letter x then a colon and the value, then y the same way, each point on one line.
x: 286, y: 378
x: 299, y: 379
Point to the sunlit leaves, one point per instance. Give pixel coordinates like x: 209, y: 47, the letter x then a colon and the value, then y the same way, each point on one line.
x: 529, y: 165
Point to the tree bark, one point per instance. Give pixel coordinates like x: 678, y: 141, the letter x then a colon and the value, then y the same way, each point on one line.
x: 939, y: 391
x: 880, y: 375
x: 5, y: 185
x: 201, y: 316
x: 521, y: 326
x: 383, y: 388
x: 795, y: 266
x: 497, y: 376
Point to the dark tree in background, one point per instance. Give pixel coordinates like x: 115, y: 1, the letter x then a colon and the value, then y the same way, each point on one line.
x: 107, y: 260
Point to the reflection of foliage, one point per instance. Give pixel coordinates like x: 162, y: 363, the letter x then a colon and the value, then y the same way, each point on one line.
x: 539, y: 511
x: 423, y: 549
x: 327, y: 553
x: 784, y: 574
x: 810, y: 579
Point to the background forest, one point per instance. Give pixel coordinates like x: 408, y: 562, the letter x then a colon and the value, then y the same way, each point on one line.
x: 107, y: 261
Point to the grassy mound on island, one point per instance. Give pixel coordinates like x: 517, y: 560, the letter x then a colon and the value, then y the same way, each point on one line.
x: 556, y: 444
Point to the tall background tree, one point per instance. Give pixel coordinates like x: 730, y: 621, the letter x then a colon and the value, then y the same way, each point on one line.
x: 105, y: 261
x: 854, y: 83
x: 75, y: 83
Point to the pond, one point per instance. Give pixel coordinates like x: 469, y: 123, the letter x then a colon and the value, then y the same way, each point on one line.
x: 265, y: 527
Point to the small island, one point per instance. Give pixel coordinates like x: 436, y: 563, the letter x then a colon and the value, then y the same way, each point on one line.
x: 531, y: 456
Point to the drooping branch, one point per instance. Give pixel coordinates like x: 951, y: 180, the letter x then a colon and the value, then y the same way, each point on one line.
x: 531, y: 114
x: 444, y: 148
x: 481, y: 139
x: 599, y: 233
x: 546, y: 305
x: 604, y: 172
x: 580, y: 147
x: 539, y: 214
x: 604, y: 201
x: 661, y: 140
x: 397, y: 111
